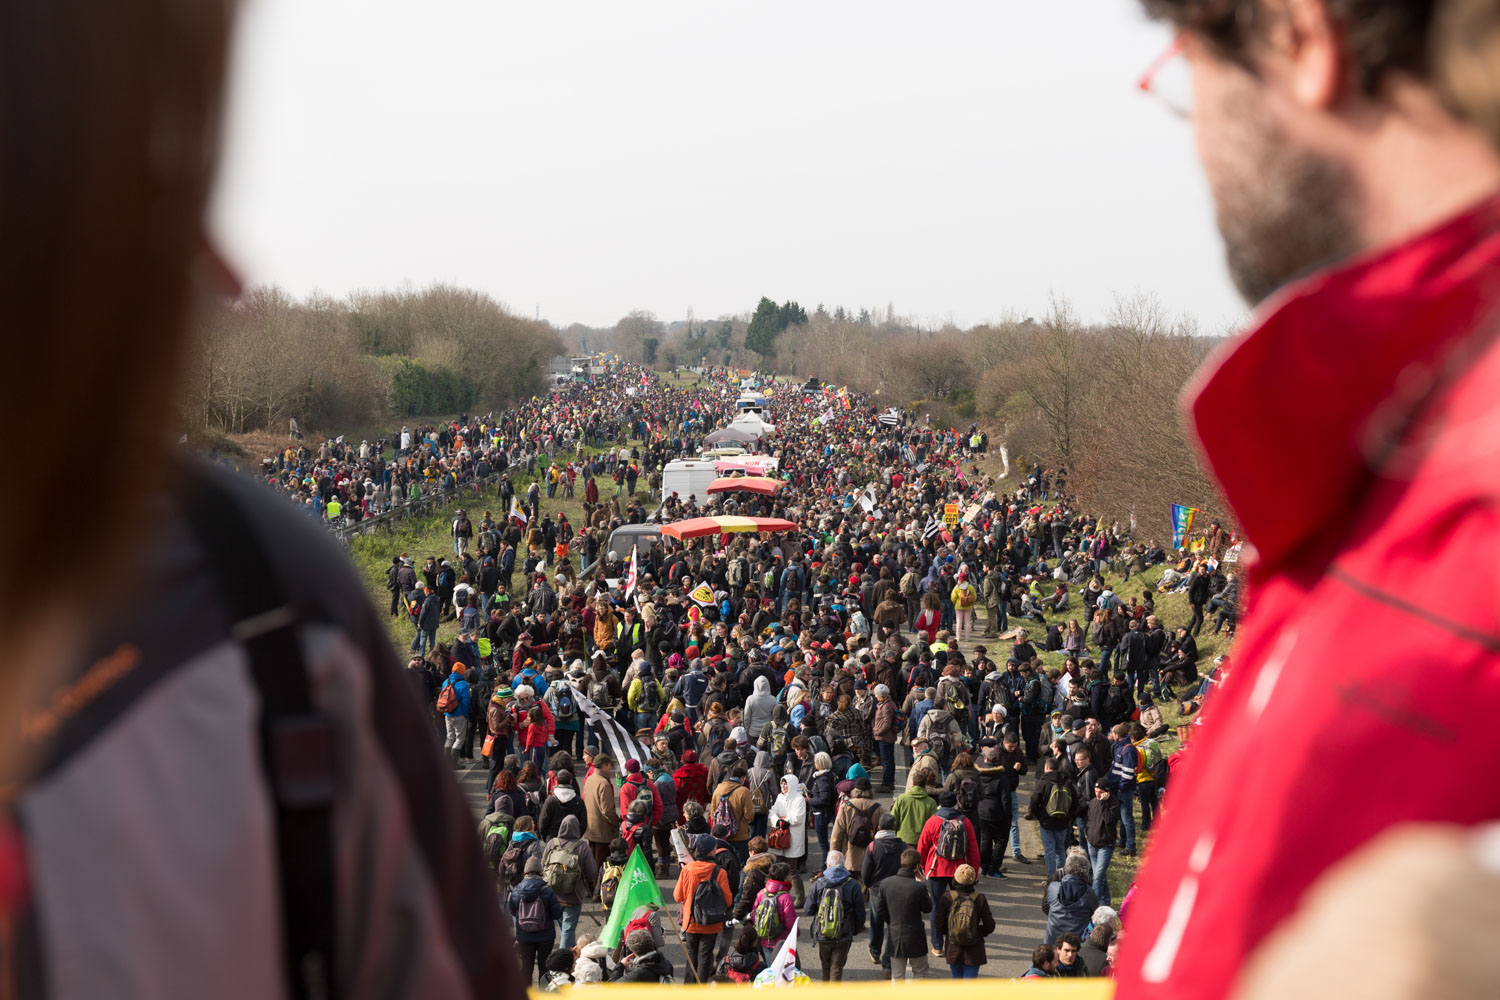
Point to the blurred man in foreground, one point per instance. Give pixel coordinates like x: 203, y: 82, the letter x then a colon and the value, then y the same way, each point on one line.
x: 1360, y: 215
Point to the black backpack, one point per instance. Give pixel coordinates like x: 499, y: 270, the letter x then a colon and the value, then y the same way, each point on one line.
x: 650, y: 697
x: 968, y: 796
x: 708, y: 902
x: 861, y: 827
x: 1117, y: 703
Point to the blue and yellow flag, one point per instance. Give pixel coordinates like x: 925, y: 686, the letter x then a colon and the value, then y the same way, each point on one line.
x: 1182, y: 523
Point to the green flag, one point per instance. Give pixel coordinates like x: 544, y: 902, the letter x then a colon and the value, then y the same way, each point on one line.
x: 637, y: 889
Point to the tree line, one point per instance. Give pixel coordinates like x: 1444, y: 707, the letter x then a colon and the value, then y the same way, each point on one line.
x: 269, y: 357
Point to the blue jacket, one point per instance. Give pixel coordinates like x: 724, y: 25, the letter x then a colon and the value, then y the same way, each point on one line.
x: 1127, y: 760
x: 533, y: 679
x: 1070, y: 906
x: 431, y: 615
x: 460, y: 688
x: 530, y: 888
x: 838, y: 880
x: 690, y: 688
x: 918, y: 710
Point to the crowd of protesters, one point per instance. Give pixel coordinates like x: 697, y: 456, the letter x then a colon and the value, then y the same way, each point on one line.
x: 876, y: 642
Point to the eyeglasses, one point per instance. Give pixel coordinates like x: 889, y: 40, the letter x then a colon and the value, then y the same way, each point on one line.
x: 1170, y: 81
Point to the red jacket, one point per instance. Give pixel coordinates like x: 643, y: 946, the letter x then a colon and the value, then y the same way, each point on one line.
x: 630, y: 789
x: 692, y: 783
x: 1367, y: 488
x: 933, y: 863
x: 529, y: 736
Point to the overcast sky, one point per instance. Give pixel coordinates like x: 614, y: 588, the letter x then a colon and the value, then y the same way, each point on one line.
x: 586, y: 158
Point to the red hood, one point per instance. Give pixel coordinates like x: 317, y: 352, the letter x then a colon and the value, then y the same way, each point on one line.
x: 1311, y: 391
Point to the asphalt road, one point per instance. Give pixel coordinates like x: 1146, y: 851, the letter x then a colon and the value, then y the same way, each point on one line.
x: 1015, y: 900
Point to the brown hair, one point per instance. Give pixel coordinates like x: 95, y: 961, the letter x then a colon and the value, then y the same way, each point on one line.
x: 110, y: 118
x: 1379, y: 35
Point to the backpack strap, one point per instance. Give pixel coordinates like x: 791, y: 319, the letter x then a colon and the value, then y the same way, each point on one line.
x: 297, y: 741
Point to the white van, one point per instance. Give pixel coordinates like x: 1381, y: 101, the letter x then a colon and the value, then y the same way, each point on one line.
x: 751, y: 402
x: 688, y: 477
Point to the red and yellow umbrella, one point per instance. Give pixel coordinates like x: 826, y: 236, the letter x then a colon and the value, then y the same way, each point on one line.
x: 763, y: 485
x: 697, y: 527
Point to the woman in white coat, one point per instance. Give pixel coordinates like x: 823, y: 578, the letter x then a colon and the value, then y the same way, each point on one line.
x: 791, y: 805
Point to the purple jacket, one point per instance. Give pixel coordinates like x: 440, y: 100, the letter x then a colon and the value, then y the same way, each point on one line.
x: 785, y: 903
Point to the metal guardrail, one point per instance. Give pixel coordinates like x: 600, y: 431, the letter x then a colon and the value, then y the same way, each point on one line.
x: 426, y: 505
x: 433, y: 500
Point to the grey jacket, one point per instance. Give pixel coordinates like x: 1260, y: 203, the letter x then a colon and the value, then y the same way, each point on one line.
x: 181, y: 898
x: 759, y: 706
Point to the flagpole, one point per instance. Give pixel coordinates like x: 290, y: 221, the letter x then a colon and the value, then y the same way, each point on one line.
x: 686, y: 956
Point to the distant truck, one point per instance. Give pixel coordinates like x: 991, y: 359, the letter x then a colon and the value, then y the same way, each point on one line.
x: 751, y: 402
x: 688, y: 477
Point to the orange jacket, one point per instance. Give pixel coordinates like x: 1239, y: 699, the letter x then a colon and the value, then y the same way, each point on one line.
x: 693, y: 874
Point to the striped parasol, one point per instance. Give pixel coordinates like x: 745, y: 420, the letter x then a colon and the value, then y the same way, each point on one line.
x: 697, y: 527
x: 763, y: 485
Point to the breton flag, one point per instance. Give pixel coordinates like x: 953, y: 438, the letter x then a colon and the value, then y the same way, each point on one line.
x: 613, y: 737
x: 516, y: 512
x: 933, y: 527
x: 890, y: 417
x: 630, y: 577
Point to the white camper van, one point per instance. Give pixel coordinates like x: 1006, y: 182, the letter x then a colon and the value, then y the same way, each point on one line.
x: 688, y: 477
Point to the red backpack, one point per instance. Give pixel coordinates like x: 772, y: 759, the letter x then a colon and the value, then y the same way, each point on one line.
x: 632, y: 833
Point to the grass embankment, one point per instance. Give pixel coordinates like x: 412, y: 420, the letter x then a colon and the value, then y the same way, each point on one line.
x: 429, y: 536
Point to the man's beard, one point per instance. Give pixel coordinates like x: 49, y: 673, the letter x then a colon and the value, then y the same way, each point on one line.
x: 1283, y: 211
